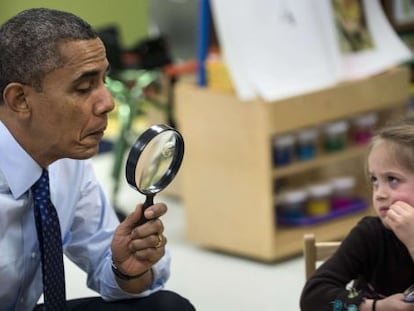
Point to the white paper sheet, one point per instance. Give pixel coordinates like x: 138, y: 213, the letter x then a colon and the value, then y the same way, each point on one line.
x: 280, y: 48
x: 276, y: 48
x: 231, y: 39
x: 290, y: 54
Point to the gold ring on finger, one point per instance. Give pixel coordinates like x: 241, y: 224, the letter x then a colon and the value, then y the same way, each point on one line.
x: 160, y: 239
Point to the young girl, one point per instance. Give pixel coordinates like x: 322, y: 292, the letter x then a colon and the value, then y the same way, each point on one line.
x: 375, y: 263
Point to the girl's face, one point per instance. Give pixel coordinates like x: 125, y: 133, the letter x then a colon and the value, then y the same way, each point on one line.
x: 390, y: 181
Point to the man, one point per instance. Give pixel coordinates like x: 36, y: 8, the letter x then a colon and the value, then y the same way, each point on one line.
x: 53, y: 113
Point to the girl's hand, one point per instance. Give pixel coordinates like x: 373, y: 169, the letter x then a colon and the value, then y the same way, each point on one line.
x: 400, y: 219
x: 394, y: 302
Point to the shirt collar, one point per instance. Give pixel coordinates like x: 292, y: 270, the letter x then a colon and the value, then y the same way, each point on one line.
x: 18, y: 167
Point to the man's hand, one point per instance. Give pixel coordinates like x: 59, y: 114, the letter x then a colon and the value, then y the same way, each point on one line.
x: 135, y: 249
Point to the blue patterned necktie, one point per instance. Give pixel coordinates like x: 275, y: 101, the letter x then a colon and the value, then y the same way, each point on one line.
x: 50, y: 243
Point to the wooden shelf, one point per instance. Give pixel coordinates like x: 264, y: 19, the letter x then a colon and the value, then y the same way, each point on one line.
x: 322, y: 159
x: 227, y: 176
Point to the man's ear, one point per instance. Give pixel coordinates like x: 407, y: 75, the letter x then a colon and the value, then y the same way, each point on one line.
x: 15, y: 97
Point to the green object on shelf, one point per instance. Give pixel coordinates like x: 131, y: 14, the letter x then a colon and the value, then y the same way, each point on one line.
x: 334, y: 144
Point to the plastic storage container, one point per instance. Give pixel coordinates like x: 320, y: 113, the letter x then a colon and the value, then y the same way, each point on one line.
x: 335, y: 136
x: 319, y: 201
x: 363, y: 127
x: 343, y: 192
x: 307, y: 144
x: 283, y: 150
x: 292, y: 204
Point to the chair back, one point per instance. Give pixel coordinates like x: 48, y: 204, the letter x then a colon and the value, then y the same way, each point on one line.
x: 316, y: 252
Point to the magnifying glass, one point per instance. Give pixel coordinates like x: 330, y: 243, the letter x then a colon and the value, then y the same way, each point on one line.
x: 153, y: 161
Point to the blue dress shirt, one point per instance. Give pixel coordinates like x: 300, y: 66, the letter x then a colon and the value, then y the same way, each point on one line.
x: 87, y: 219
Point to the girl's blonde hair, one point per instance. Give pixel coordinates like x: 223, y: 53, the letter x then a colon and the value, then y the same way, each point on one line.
x: 399, y: 136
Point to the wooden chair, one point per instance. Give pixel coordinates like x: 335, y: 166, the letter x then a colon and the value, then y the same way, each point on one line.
x: 315, y: 252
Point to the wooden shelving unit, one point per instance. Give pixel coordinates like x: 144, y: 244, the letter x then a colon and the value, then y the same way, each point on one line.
x: 320, y: 160
x: 227, y: 178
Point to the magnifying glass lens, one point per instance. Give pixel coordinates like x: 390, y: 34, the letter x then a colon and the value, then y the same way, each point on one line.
x: 154, y: 160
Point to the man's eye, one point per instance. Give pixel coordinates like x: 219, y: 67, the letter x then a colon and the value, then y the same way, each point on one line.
x: 83, y: 90
x: 84, y: 87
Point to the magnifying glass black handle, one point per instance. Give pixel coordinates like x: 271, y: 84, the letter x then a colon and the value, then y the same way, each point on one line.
x: 149, y: 200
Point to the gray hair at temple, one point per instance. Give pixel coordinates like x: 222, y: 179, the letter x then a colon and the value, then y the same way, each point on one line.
x: 29, y: 44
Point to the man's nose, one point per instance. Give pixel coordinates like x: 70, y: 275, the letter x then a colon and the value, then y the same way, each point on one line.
x: 106, y: 101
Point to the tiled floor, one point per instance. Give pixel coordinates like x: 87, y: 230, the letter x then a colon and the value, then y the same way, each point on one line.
x: 212, y: 281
